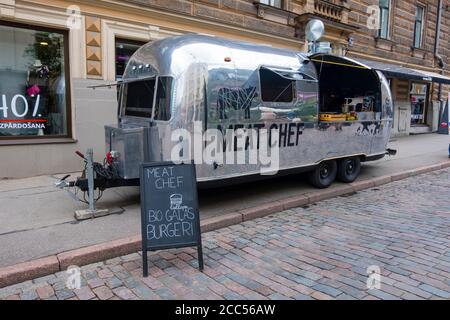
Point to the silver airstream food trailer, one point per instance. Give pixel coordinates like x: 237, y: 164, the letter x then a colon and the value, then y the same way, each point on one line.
x: 332, y: 112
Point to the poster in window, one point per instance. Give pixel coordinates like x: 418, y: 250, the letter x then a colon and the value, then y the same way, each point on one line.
x: 32, y: 82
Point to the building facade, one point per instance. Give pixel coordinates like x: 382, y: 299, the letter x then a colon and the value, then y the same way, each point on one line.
x: 51, y: 51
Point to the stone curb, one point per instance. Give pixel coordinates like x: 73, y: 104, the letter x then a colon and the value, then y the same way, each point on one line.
x: 28, y: 270
x: 44, y: 266
x: 220, y: 222
x: 99, y: 252
x: 261, y: 210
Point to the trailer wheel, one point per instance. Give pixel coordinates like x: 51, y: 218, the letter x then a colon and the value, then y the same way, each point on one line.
x: 324, y: 174
x: 349, y: 169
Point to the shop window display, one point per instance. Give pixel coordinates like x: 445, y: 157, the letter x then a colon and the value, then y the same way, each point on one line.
x: 33, y: 99
x: 418, y: 103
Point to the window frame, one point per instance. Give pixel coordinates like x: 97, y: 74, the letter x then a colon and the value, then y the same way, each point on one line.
x: 274, y: 103
x: 388, y: 26
x: 122, y: 109
x: 129, y: 41
x: 271, y: 3
x: 171, y: 99
x: 422, y: 22
x: 124, y: 97
x: 68, y: 137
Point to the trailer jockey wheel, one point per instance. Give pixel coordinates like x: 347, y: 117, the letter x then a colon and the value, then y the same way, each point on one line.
x: 324, y: 174
x: 348, y: 169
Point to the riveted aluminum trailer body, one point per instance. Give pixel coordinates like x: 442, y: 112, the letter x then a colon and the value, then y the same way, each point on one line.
x: 221, y: 84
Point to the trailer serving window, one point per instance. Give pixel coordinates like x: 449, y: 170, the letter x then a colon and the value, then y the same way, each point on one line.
x: 139, y: 98
x: 348, y: 91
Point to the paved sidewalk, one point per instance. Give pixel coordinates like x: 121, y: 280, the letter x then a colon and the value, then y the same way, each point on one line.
x: 37, y: 219
x: 317, y: 252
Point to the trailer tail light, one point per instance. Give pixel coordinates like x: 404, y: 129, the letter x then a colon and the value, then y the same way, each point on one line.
x: 109, y: 159
x: 111, y: 156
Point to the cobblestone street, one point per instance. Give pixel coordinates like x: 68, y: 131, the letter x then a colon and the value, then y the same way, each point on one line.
x: 317, y: 252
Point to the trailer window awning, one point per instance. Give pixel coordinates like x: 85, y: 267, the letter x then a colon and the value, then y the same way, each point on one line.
x: 397, y: 71
x: 324, y: 58
x: 289, y: 73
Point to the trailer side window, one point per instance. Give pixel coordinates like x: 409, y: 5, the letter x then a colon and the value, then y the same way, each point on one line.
x: 163, y: 101
x: 138, y: 97
x: 275, y: 88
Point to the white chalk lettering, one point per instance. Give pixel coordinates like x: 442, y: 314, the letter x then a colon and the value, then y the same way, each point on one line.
x: 182, y: 214
x: 188, y: 229
x: 170, y: 230
x: 169, y: 182
x: 155, y: 216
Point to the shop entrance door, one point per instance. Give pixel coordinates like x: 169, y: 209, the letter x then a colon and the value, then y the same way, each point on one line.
x: 419, y: 102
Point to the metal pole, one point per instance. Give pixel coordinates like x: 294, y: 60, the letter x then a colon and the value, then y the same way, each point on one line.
x: 90, y: 174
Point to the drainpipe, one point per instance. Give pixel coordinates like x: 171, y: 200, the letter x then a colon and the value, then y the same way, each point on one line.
x: 436, y: 46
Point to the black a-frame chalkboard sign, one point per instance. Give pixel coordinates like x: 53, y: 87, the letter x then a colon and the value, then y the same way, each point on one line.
x: 169, y: 209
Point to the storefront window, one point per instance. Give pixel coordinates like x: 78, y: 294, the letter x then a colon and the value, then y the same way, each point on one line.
x: 124, y: 50
x: 418, y: 102
x: 33, y: 100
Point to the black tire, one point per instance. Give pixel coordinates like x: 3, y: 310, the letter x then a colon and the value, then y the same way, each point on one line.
x: 323, y: 175
x: 348, y: 169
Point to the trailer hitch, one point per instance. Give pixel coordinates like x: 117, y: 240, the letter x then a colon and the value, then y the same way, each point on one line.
x: 95, y: 176
x: 63, y: 183
x: 391, y: 152
x: 88, y: 174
